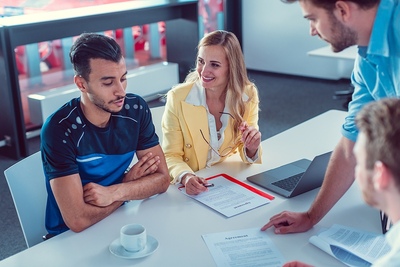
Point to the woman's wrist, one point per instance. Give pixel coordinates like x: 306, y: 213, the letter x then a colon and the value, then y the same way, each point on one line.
x: 251, y: 153
x: 186, y: 178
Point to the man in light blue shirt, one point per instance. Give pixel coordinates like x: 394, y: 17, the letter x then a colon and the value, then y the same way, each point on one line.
x: 377, y: 151
x: 376, y: 71
x: 374, y: 26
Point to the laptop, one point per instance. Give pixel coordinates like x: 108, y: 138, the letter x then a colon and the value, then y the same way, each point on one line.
x: 294, y: 178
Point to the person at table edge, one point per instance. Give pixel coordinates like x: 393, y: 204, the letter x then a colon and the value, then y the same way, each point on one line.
x: 377, y: 151
x: 374, y: 26
x: 89, y: 143
x: 212, y: 114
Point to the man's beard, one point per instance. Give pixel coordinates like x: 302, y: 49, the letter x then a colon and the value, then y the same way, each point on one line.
x: 342, y: 36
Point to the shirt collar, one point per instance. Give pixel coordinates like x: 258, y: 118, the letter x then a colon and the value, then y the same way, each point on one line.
x: 392, y: 236
x: 379, y: 43
x: 362, y: 51
x: 197, y: 95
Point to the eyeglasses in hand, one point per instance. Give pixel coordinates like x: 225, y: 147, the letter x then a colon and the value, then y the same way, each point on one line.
x: 224, y: 152
x: 227, y: 150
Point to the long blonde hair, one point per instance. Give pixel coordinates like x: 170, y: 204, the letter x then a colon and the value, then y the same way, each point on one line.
x: 238, y: 79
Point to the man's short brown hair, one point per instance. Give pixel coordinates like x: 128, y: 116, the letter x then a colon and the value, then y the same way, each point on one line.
x: 380, y: 122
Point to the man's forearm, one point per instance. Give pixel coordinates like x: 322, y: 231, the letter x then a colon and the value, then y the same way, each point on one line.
x: 95, y: 211
x: 338, y: 179
x: 90, y: 215
x: 142, y: 188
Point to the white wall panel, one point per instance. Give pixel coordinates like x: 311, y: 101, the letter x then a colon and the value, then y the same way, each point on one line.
x: 276, y: 39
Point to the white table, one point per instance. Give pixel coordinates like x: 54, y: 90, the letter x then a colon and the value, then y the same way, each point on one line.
x: 178, y: 222
x: 345, y: 58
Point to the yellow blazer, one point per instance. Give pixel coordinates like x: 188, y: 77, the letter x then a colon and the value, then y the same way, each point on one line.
x: 184, y: 148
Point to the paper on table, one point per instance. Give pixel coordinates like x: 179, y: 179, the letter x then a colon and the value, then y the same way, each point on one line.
x: 229, y: 198
x: 351, y: 246
x: 248, y: 247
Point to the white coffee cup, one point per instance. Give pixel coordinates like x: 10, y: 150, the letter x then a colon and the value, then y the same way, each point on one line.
x: 133, y: 237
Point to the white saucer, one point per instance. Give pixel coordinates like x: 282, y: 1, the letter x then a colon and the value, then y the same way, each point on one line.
x: 116, y: 249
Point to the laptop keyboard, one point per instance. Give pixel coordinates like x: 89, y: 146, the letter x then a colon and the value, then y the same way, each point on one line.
x: 289, y: 183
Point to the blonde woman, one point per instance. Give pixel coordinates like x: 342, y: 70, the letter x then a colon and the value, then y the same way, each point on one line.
x: 212, y: 114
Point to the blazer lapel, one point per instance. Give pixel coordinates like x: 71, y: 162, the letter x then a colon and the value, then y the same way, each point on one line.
x: 196, y: 120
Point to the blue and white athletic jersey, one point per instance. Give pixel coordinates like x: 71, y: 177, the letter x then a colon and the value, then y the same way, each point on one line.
x: 71, y: 144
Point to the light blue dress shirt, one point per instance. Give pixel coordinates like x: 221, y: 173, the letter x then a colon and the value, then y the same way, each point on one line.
x: 392, y: 258
x: 376, y: 73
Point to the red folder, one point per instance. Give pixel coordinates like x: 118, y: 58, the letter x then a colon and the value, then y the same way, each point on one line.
x: 255, y: 190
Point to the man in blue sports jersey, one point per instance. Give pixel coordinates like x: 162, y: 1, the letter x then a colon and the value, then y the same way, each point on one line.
x: 374, y: 26
x: 89, y: 143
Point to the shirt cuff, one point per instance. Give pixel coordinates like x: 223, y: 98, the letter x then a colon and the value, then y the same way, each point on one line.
x: 253, y: 159
x: 181, y: 176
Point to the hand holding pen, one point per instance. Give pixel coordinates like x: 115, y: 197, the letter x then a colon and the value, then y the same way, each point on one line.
x: 195, y: 185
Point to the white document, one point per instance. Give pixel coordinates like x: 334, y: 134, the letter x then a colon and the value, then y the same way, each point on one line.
x: 229, y: 198
x: 243, y: 248
x: 351, y: 246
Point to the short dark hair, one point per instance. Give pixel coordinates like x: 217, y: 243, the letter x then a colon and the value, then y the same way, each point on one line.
x: 92, y: 46
x: 380, y: 122
x: 330, y: 4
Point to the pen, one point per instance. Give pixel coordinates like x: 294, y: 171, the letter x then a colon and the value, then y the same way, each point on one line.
x: 208, y: 185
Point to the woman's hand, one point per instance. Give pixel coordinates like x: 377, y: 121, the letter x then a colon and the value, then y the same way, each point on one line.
x: 194, y: 185
x: 251, y: 138
x: 296, y: 264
